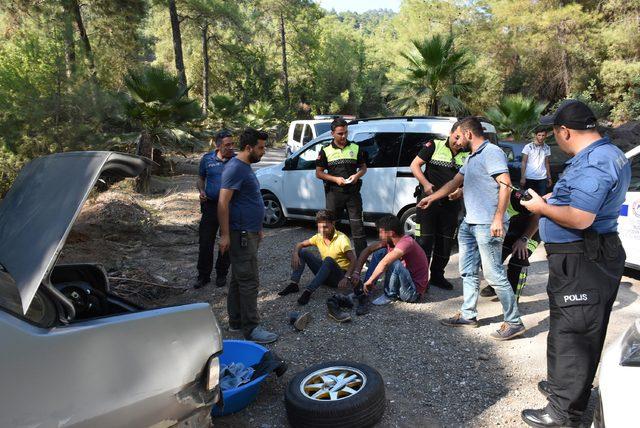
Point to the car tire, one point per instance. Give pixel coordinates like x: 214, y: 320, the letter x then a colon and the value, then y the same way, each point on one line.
x: 273, y: 213
x: 362, y: 408
x: 408, y: 221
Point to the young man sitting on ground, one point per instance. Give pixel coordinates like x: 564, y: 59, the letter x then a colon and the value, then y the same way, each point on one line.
x: 401, y: 258
x: 336, y: 258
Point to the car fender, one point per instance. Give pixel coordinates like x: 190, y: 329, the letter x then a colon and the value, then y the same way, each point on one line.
x: 134, y: 369
x: 271, y: 180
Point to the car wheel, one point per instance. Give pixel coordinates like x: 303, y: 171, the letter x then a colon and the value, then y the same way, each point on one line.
x: 337, y: 394
x: 273, y: 214
x: 409, y: 221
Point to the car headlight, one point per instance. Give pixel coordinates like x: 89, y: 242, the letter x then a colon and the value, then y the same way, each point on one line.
x: 213, y: 373
x: 631, y: 346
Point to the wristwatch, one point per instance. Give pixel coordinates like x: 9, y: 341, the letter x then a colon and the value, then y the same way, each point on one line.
x: 524, y: 239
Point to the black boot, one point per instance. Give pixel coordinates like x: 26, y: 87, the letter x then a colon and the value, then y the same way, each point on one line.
x: 335, y: 312
x: 201, y: 282
x: 542, y: 419
x: 544, y: 388
x: 304, y: 297
x: 343, y: 301
x: 364, y: 303
x: 291, y: 288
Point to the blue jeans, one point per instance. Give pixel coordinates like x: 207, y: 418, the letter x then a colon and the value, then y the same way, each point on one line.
x: 326, y: 271
x: 478, y: 246
x: 397, y: 280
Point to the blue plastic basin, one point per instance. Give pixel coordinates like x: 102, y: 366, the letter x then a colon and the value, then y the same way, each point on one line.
x: 247, y: 353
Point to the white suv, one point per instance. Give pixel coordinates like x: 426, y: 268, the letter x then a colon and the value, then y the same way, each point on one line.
x: 291, y: 189
x: 303, y: 131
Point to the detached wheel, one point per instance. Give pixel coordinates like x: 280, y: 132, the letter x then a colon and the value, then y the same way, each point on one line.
x: 273, y: 214
x: 337, y: 394
x: 409, y: 221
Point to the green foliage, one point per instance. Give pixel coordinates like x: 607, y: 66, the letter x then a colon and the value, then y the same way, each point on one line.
x: 430, y: 79
x: 516, y: 116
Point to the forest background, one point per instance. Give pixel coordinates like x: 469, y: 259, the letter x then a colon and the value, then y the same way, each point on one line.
x: 134, y: 74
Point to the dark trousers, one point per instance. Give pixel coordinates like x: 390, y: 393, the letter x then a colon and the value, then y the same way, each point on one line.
x: 352, y: 202
x: 581, y: 293
x: 517, y: 226
x: 242, y: 300
x: 326, y: 271
x: 436, y: 234
x: 208, y: 230
x: 540, y: 186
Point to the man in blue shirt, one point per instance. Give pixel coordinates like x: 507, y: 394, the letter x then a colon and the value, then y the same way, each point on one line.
x: 241, y: 211
x: 481, y: 234
x: 586, y: 260
x: 209, y: 179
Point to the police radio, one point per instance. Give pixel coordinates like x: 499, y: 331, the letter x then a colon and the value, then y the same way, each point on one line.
x: 520, y: 194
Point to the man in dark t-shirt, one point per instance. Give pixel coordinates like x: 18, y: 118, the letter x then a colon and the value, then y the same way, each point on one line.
x: 436, y: 226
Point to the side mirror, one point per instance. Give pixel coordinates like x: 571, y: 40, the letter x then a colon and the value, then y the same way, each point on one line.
x: 290, y: 163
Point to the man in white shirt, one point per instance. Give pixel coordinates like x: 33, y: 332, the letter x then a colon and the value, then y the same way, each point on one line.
x: 536, y: 170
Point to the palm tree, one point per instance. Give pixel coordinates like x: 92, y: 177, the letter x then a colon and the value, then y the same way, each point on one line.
x: 431, y: 78
x: 157, y: 104
x: 516, y: 116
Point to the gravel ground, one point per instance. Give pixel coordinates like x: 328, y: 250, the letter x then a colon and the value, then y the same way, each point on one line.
x: 434, y: 375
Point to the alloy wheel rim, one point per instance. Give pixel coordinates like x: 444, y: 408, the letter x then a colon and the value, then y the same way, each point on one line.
x: 333, y: 383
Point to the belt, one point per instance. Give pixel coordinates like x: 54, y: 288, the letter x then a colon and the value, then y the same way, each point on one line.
x: 580, y: 247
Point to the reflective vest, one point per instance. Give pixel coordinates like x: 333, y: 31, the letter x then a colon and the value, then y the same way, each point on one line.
x: 342, y: 163
x: 442, y: 156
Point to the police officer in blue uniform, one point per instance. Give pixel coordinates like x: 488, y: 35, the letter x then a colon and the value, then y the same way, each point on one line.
x: 586, y: 260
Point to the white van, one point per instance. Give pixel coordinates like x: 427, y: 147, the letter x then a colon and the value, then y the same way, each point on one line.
x: 303, y: 131
x: 291, y: 189
x: 629, y: 220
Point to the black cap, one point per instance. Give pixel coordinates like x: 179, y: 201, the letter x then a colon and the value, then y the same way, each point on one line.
x: 573, y: 114
x: 224, y: 133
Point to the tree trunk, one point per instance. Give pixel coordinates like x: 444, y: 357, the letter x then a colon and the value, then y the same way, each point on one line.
x: 144, y: 148
x: 77, y: 14
x: 205, y: 68
x: 285, y: 73
x: 564, y: 59
x: 177, y: 43
x: 69, y: 44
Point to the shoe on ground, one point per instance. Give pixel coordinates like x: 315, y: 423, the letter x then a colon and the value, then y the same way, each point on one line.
x: 291, y: 288
x: 221, y: 281
x: 383, y: 299
x: 304, y: 297
x: 343, y: 301
x: 234, y: 329
x: 364, y: 304
x: 302, y: 321
x: 508, y: 331
x: 487, y: 291
x: 540, y: 418
x: 335, y: 312
x: 201, y: 282
x: 441, y: 283
x: 544, y: 388
x: 262, y: 336
x: 458, y: 321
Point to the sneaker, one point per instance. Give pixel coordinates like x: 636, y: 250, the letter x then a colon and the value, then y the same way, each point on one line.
x: 335, y: 312
x: 262, y: 336
x: 441, y: 282
x: 291, y: 288
x: 508, y: 331
x: 304, y: 297
x: 302, y: 321
x: 364, y: 304
x: 458, y: 321
x: 201, y: 282
x: 487, y: 291
x: 383, y: 299
x: 221, y: 280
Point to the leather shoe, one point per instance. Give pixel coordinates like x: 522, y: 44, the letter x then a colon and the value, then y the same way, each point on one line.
x: 540, y: 418
x: 544, y: 388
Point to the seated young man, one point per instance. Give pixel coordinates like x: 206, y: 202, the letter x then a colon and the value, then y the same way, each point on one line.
x: 336, y: 258
x: 401, y: 258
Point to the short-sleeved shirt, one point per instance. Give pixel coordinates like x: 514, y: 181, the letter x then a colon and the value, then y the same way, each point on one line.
x: 441, y: 164
x: 480, y: 187
x: 337, y: 248
x: 415, y: 261
x: 210, y: 171
x: 536, y: 156
x: 344, y: 163
x: 246, y: 209
x: 595, y: 180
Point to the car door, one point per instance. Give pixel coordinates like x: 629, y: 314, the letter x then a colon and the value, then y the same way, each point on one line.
x: 303, y: 191
x: 629, y: 220
x: 382, y: 144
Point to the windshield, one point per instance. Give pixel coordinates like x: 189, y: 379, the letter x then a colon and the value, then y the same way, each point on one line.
x: 321, y: 128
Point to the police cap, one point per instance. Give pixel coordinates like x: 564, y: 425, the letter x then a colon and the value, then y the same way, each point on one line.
x: 573, y: 114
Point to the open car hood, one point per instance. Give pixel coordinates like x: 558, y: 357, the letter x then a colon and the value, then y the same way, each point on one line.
x: 41, y: 207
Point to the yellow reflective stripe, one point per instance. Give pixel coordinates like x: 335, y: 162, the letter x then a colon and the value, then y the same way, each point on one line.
x: 350, y: 152
x: 532, y: 245
x: 511, y: 212
x: 417, y: 233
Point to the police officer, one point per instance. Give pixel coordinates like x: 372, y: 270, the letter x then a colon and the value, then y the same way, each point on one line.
x: 208, y: 184
x: 520, y: 242
x: 436, y: 226
x: 586, y: 260
x: 344, y: 164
